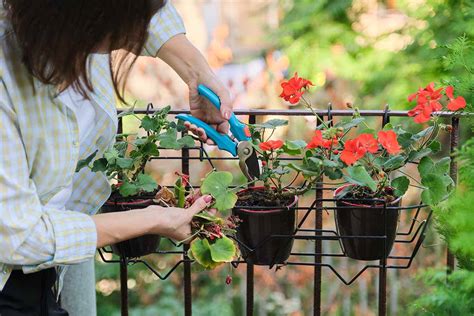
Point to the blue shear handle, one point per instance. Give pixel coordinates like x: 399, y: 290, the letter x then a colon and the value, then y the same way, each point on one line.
x: 222, y: 141
x: 236, y: 127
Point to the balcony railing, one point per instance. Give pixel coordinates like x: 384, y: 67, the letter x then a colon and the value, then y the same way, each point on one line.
x: 411, y: 236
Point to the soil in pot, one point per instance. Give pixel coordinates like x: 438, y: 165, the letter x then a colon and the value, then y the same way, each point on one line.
x: 263, y: 217
x: 358, y: 216
x: 135, y: 247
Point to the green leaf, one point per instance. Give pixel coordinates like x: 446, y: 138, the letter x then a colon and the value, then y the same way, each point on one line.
x: 128, y: 189
x: 358, y: 175
x: 435, y: 146
x: 330, y: 163
x: 333, y: 173
x: 100, y: 165
x: 400, y: 185
x: 394, y: 162
x: 148, y: 123
x: 350, y: 124
x: 169, y: 140
x: 186, y: 141
x: 111, y: 155
x: 416, y: 155
x: 217, y: 184
x: 405, y: 139
x: 121, y: 147
x: 201, y: 252
x: 149, y: 149
x: 146, y: 183
x: 85, y: 162
x: 294, y: 147
x: 435, y: 191
x: 388, y: 127
x: 305, y: 170
x: 443, y: 165
x: 426, y: 166
x: 222, y: 250
x: 422, y: 134
x: 272, y: 124
x: 125, y: 163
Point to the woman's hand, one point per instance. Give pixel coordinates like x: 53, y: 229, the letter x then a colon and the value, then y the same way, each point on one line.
x: 171, y: 222
x: 174, y: 222
x: 202, y: 109
x: 193, y: 68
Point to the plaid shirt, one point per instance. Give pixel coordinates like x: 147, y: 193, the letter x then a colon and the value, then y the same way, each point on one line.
x: 39, y: 150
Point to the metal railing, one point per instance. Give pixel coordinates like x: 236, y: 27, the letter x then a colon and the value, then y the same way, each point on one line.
x: 412, y: 237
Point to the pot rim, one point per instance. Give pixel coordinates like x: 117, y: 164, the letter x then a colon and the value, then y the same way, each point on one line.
x: 255, y: 211
x: 361, y: 205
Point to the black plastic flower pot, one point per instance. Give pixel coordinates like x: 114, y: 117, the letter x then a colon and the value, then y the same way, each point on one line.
x: 135, y: 247
x: 371, y: 221
x: 259, y: 230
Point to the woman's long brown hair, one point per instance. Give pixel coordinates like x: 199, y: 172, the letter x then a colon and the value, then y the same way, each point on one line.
x: 58, y: 36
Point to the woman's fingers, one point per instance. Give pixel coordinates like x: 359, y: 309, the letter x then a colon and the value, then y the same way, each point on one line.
x: 200, y: 204
x: 198, y: 131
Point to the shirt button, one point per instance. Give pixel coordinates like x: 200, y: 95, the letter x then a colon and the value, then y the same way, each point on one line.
x: 75, y: 143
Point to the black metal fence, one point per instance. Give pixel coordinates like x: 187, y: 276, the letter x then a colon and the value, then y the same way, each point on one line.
x: 411, y: 236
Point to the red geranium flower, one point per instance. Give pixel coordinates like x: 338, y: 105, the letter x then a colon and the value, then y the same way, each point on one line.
x: 368, y: 142
x: 454, y: 103
x: 319, y: 141
x: 271, y: 145
x: 355, y: 149
x: 316, y: 141
x: 421, y: 112
x: 293, y: 88
x: 388, y: 140
x: 352, y: 152
x: 427, y: 100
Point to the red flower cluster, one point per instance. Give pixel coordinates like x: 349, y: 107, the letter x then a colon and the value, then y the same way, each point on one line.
x: 454, y: 103
x: 294, y: 88
x: 356, y: 149
x: 427, y: 102
x: 319, y: 141
x: 388, y: 140
x: 271, y: 145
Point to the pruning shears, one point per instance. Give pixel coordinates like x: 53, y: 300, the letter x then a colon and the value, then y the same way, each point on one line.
x: 240, y: 147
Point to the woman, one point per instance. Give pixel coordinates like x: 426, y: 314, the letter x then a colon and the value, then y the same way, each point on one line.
x: 57, y: 105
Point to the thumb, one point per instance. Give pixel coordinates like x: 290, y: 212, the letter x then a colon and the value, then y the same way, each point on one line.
x: 200, y: 204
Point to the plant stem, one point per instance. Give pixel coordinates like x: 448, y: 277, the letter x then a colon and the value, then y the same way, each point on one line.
x: 318, y: 118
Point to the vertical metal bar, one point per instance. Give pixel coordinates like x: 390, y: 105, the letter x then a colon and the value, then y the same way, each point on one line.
x: 250, y: 266
x: 383, y: 288
x: 318, y: 225
x: 123, y: 286
x: 120, y: 126
x: 188, y: 311
x: 383, y: 262
x: 250, y: 289
x: 450, y: 260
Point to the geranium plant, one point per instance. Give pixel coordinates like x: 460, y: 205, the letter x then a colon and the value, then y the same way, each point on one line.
x: 124, y: 164
x: 370, y: 162
x: 373, y: 160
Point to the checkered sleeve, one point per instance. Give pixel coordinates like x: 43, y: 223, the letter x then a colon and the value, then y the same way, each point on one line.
x: 32, y: 235
x: 165, y: 24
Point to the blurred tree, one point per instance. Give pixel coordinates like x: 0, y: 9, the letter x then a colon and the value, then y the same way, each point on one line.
x: 387, y: 49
